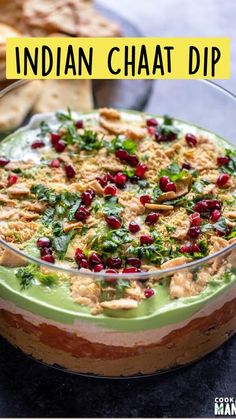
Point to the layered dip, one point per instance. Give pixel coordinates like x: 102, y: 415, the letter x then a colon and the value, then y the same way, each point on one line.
x: 118, y: 233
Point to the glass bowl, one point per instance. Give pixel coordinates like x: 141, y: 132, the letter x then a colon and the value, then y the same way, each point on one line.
x: 161, y: 335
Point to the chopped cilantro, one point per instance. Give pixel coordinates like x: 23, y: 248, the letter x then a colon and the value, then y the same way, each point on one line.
x: 167, y: 120
x: 167, y: 130
x: 221, y: 225
x: 156, y: 192
x: 232, y: 234
x: 89, y: 141
x: 203, y: 250
x: 61, y: 243
x: 43, y: 193
x: 154, y: 253
x: 48, y: 216
x: 31, y: 273
x: 124, y: 143
x: 111, y: 241
x: 173, y: 171
x: 199, y: 185
x: 111, y: 206
x: 44, y: 129
x: 63, y: 116
x: 129, y: 171
x: 230, y: 167
x: 170, y: 229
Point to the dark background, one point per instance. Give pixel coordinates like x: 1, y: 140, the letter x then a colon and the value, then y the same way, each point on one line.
x: 29, y: 389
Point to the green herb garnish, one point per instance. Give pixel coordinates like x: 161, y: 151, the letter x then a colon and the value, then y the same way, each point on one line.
x: 174, y: 172
x: 30, y: 274
x: 122, y: 143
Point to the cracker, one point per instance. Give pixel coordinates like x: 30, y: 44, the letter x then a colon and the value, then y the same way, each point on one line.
x: 51, y: 15
x: 61, y: 94
x: 71, y: 17
x: 16, y: 104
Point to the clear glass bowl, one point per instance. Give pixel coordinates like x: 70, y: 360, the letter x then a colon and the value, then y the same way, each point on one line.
x: 197, y: 102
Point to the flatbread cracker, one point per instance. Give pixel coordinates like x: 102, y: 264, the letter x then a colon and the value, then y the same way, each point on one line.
x: 71, y: 17
x: 61, y: 94
x: 16, y: 104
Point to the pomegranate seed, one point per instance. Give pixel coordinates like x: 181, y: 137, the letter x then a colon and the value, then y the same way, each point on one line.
x: 55, y: 163
x: 12, y: 179
x: 171, y: 186
x: 134, y: 179
x: 44, y: 242
x: 83, y: 263
x: 122, y: 154
x: 92, y: 192
x: 163, y: 182
x: 215, y: 215
x: 152, y: 218
x: 120, y: 179
x: 94, y: 259
x: 149, y: 292
x: 195, y: 219
x: 110, y: 190
x: 133, y: 227
x: 151, y: 130
x: 110, y: 178
x: 102, y: 180
x: 79, y: 254
x: 130, y: 270
x: 186, y: 166
x: 151, y: 122
x: 185, y: 249
x: 140, y: 170
x: 114, y: 263
x: 60, y: 146
x: 133, y: 160
x: 145, y: 199
x: 55, y: 137
x: 98, y: 268
x: 48, y: 258
x: 81, y: 214
x: 222, y: 180
x: 194, y: 232
x: 191, y: 140
x: 226, y: 233
x: 195, y: 248
x: 110, y: 279
x: 4, y: 161
x: 213, y: 204
x: 79, y: 124
x: 170, y: 136
x: 70, y: 171
x: 145, y: 239
x: 45, y: 251
x: 201, y: 206
x: 113, y: 222
x: 134, y: 262
x: 87, y: 197
x: 38, y: 144
x: 223, y: 160
x: 159, y: 137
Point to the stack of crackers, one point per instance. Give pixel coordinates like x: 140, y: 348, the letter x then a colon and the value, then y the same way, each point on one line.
x: 48, y: 18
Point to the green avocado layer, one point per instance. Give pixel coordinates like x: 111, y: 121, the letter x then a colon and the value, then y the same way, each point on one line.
x: 55, y: 303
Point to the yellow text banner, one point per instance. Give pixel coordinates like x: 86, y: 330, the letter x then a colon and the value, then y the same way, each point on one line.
x: 117, y: 58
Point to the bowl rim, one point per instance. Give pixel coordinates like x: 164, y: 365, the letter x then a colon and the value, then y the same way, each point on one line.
x: 100, y: 275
